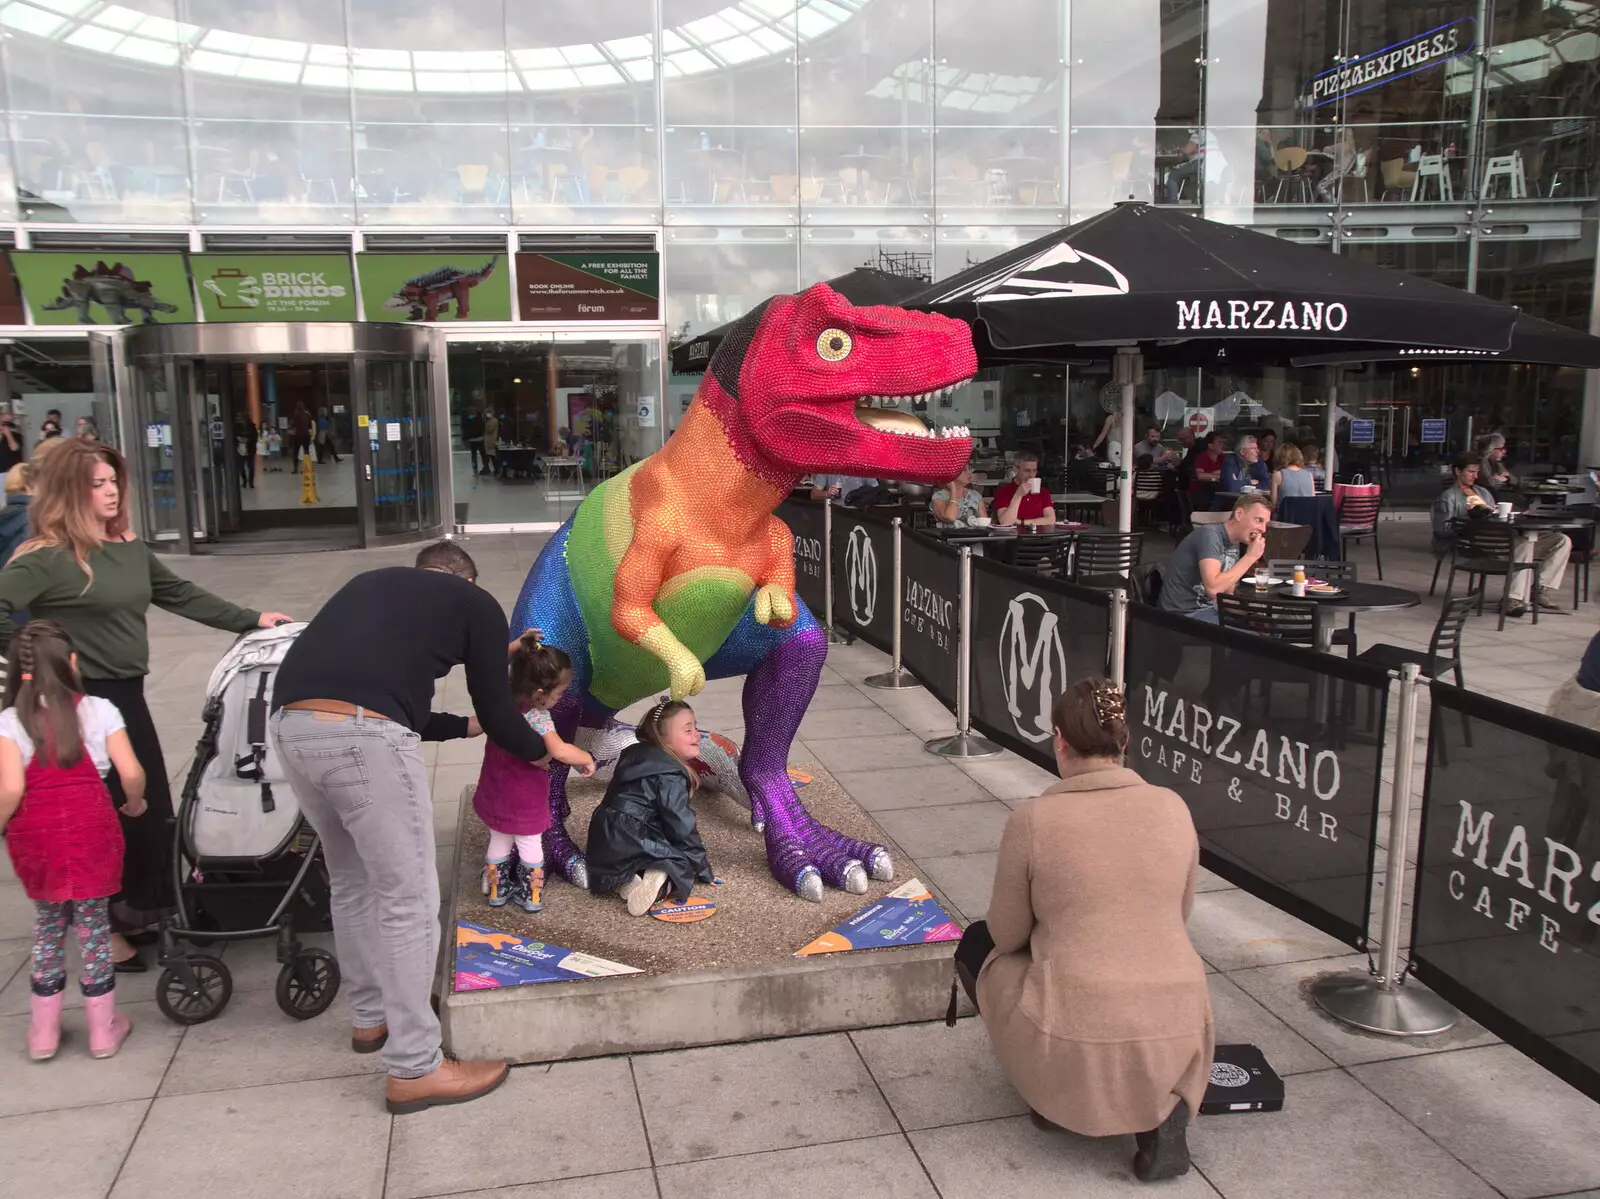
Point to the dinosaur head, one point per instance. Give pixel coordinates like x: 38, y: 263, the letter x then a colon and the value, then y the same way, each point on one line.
x: 810, y: 376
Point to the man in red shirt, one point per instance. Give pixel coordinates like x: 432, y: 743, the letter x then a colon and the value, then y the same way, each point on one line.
x: 1024, y: 501
x: 1207, y: 472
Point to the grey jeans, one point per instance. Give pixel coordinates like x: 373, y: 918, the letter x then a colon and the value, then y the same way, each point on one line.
x: 362, y: 784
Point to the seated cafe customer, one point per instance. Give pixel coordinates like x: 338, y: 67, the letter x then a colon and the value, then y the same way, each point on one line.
x: 1291, y: 479
x: 959, y: 502
x: 1206, y: 472
x: 1086, y: 980
x: 1024, y: 501
x: 1492, y: 470
x: 838, y: 487
x: 1150, y: 451
x: 1245, y: 468
x: 1465, y: 500
x: 1211, y: 560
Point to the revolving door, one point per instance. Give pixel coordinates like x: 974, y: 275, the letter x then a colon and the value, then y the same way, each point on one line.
x: 279, y: 437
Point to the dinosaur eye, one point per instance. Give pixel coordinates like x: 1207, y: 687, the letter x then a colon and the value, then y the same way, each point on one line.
x: 834, y: 345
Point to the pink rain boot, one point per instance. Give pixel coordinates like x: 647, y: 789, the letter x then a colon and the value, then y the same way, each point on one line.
x: 108, y: 1028
x: 44, y: 1034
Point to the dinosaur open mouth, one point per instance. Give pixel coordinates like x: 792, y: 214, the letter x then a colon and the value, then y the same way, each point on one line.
x: 879, y: 414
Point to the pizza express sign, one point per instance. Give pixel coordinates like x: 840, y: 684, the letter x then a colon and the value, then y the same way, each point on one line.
x: 1392, y: 62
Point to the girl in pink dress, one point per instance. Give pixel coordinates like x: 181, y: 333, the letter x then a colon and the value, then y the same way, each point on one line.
x: 61, y: 830
x: 513, y: 796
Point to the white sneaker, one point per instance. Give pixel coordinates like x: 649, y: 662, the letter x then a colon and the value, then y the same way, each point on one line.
x: 642, y: 891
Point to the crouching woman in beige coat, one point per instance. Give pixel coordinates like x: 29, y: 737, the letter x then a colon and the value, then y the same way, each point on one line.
x: 1093, y: 996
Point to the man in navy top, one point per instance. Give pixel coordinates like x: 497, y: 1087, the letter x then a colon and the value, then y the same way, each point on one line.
x: 1245, y: 468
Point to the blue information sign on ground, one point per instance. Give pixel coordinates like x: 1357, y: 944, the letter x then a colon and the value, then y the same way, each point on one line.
x: 908, y: 915
x: 487, y: 958
x: 1433, y: 432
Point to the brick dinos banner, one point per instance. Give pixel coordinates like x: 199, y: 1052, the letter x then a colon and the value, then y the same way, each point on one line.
x: 1261, y: 740
x: 1031, y: 638
x: 805, y: 521
x: 1507, y: 923
x: 863, y: 576
x: 930, y: 614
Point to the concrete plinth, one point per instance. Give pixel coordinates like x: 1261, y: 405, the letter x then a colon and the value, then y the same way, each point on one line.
x: 731, y: 978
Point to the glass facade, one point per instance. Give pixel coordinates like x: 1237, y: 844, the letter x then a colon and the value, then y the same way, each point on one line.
x: 773, y: 143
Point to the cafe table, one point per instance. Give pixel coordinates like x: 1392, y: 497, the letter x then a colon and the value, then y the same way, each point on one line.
x: 1579, y: 528
x: 1355, y: 597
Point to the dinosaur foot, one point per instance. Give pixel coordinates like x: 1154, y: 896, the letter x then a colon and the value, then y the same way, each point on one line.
x: 809, y: 885
x: 561, y: 855
x: 879, y: 865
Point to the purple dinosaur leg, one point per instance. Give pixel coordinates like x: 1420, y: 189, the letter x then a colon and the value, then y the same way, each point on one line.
x: 801, y: 852
x: 560, y: 851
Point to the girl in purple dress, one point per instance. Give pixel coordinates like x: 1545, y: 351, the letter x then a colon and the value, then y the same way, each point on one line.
x: 513, y: 796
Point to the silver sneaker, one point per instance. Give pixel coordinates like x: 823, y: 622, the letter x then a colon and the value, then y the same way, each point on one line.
x: 642, y: 891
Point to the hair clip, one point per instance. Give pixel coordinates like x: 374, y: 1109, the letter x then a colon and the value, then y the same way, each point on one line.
x: 1108, y: 704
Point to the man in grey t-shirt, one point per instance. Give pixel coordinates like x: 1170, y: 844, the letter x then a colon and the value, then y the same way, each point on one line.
x: 1211, y: 560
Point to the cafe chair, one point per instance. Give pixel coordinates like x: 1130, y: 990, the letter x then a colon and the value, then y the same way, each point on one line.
x: 1397, y: 179
x: 1434, y: 167
x: 1358, y: 520
x: 1290, y: 621
x: 1443, y: 654
x: 1331, y: 572
x: 1507, y: 167
x: 1149, y: 486
x: 1046, y: 553
x: 1487, y: 548
x: 1146, y: 579
x: 1292, y: 180
x: 1582, y: 559
x: 1105, y: 559
x: 1438, y: 561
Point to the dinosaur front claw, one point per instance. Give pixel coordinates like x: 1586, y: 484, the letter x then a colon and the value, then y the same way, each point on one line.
x: 809, y: 885
x: 774, y: 606
x: 855, y: 879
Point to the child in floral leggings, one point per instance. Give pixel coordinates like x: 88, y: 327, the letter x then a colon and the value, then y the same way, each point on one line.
x: 61, y: 831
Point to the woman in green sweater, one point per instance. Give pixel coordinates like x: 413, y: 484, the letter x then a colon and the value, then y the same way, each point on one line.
x: 85, y: 569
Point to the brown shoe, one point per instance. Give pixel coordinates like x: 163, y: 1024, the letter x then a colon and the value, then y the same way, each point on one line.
x: 369, y: 1040
x: 452, y: 1082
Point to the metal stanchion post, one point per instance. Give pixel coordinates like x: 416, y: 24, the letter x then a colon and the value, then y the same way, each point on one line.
x: 895, y: 678
x: 1384, y: 1002
x: 966, y: 743
x: 1119, y: 636
x: 834, y: 638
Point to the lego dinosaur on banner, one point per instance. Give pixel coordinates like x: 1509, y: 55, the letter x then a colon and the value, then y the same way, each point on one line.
x: 677, y: 569
x: 426, y: 295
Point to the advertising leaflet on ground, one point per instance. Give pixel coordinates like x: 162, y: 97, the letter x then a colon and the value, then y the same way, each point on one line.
x: 1268, y: 745
x: 105, y: 288
x: 908, y: 915
x: 1507, y: 898
x: 589, y: 287
x: 470, y: 285
x: 274, y: 287
x: 487, y: 958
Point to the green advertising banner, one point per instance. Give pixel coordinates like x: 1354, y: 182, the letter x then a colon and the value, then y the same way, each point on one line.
x: 104, y: 287
x: 434, y: 287
x: 274, y: 287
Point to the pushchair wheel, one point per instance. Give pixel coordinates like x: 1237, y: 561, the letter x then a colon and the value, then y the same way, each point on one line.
x: 307, y: 983
x: 194, y: 989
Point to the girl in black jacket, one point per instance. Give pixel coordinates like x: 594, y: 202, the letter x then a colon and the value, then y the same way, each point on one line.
x: 642, y: 837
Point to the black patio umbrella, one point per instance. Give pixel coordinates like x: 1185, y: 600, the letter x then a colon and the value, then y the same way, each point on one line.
x: 1534, y: 342
x: 862, y: 286
x: 1183, y: 289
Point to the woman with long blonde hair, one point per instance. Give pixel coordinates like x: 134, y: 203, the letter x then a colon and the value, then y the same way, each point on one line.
x: 85, y: 569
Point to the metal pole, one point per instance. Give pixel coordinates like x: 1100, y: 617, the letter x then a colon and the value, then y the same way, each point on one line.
x: 1119, y: 636
x: 1333, y: 423
x: 1383, y: 1002
x: 827, y: 574
x: 895, y: 679
x: 1126, y: 368
x: 965, y: 744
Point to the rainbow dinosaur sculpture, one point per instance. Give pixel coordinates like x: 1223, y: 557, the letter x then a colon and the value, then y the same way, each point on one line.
x: 676, y: 570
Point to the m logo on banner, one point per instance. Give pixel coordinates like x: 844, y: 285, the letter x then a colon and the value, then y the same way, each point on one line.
x: 1033, y: 664
x: 861, y: 575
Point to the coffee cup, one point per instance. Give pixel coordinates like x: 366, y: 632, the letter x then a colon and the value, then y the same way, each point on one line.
x: 980, y: 522
x: 1034, y: 485
x: 1503, y: 510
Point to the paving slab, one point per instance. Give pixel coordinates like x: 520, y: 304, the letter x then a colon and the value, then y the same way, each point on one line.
x: 929, y: 783
x: 880, y: 1167
x: 947, y: 830
x: 639, y: 1183
x: 1513, y: 1122
x: 1233, y: 930
x: 731, y: 1099
x: 68, y: 1154
x: 571, y: 1119
x: 327, y: 1139
x: 74, y: 1079
x: 967, y: 880
x: 933, y: 1075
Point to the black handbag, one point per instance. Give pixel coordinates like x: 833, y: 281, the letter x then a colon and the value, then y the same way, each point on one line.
x: 972, y: 951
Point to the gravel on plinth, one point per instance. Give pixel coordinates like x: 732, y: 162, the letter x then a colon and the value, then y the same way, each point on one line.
x: 757, y: 919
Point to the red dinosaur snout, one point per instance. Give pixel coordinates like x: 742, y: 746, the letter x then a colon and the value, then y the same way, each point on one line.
x: 812, y: 387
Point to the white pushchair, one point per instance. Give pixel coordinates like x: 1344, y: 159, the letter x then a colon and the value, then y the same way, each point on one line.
x: 247, y: 863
